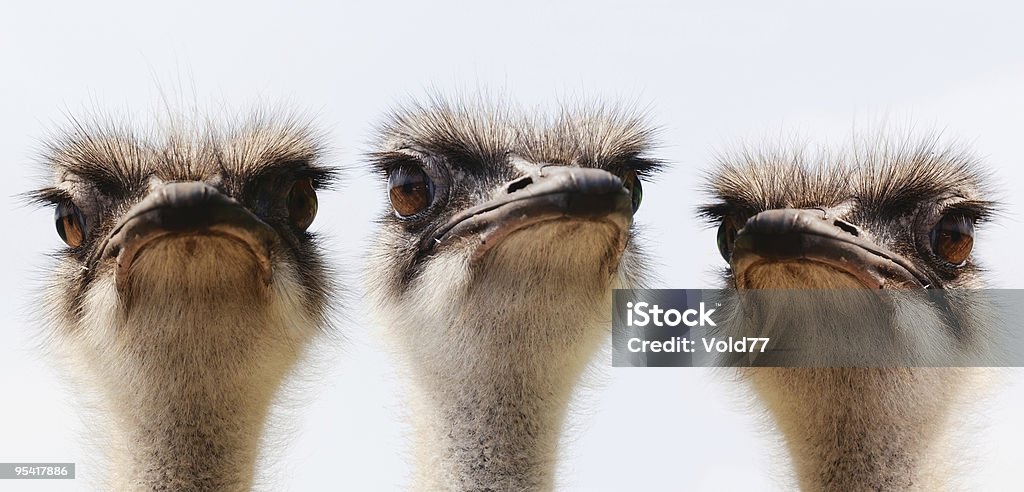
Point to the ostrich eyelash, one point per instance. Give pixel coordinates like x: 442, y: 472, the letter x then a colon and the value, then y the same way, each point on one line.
x: 385, y: 162
x: 713, y: 214
x: 977, y: 210
x: 644, y: 167
x: 49, y: 196
x: 322, y: 177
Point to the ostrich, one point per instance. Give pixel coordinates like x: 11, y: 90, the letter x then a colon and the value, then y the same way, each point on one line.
x: 188, y: 289
x: 893, y: 216
x: 493, y: 275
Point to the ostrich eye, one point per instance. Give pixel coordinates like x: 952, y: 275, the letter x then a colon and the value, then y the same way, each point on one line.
x: 410, y: 189
x: 632, y: 183
x: 953, y: 238
x: 727, y: 237
x: 302, y: 203
x: 70, y: 224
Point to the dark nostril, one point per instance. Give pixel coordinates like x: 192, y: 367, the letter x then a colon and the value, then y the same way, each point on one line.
x: 519, y: 184
x: 846, y: 226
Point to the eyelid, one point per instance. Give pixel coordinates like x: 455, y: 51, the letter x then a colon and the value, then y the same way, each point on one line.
x: 322, y: 178
x: 281, y: 180
x: 977, y: 211
x: 385, y: 162
x: 643, y: 167
x: 401, y: 160
x: 715, y: 213
x: 294, y: 170
x: 437, y: 173
x: 51, y: 196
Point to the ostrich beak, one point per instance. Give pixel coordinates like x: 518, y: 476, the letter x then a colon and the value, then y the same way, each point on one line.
x: 187, y: 209
x: 551, y: 193
x: 811, y: 235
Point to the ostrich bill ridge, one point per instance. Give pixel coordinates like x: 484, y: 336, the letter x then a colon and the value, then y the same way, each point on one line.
x: 493, y: 275
x: 887, y: 220
x: 188, y: 290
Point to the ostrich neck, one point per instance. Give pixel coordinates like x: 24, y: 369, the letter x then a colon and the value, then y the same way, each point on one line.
x: 491, y: 381
x: 862, y: 428
x: 494, y: 423
x: 495, y: 349
x: 883, y: 427
x: 186, y: 444
x: 188, y: 381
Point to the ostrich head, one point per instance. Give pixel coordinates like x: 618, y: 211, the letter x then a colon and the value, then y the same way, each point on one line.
x: 493, y: 270
x: 901, y: 219
x: 904, y: 217
x: 493, y: 210
x: 188, y: 287
x: 897, y: 217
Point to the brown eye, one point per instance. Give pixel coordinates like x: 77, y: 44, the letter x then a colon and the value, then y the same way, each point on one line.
x: 632, y: 183
x: 70, y: 224
x: 953, y: 238
x: 302, y: 203
x: 727, y: 237
x: 410, y: 189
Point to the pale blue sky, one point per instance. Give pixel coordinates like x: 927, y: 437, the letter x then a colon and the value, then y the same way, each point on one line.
x: 712, y: 73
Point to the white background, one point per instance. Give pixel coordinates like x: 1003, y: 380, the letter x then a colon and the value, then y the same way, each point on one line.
x: 713, y: 73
